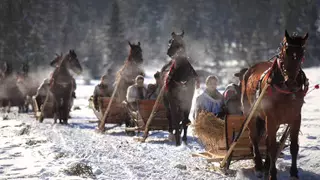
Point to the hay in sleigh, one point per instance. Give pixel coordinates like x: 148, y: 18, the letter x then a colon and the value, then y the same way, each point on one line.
x: 209, y: 129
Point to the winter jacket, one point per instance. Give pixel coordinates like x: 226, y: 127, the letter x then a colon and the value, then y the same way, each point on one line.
x: 232, y: 99
x: 100, y: 91
x: 133, y: 93
x: 208, y: 102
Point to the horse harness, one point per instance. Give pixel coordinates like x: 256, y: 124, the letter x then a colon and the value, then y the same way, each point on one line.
x: 270, y: 73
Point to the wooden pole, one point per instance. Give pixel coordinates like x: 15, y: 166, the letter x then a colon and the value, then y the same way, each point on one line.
x: 245, y: 125
x: 105, y: 115
x: 155, y: 107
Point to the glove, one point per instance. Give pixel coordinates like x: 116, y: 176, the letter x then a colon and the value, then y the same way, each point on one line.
x: 96, y: 107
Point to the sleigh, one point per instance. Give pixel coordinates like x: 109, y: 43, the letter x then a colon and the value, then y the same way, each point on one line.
x: 235, y: 143
x: 139, y: 116
x: 117, y: 113
x: 44, y: 110
x: 120, y: 113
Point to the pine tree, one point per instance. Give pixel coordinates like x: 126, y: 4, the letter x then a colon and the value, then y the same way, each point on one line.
x: 116, y: 45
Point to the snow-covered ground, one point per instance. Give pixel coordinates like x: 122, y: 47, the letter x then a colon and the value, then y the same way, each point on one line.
x: 30, y: 150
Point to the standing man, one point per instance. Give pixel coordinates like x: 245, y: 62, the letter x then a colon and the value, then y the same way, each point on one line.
x: 232, y: 95
x: 101, y: 90
x: 153, y: 90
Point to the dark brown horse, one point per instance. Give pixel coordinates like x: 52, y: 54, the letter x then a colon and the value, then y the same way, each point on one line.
x: 282, y: 105
x: 62, y: 84
x: 179, y: 78
x: 10, y: 95
x: 129, y: 71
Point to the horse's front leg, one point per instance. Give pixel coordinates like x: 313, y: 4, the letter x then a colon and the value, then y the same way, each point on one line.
x: 294, y: 147
x: 272, y: 150
x: 168, y: 115
x: 255, y: 139
x: 56, y: 110
x: 185, y: 125
x: 176, y: 118
x: 66, y: 109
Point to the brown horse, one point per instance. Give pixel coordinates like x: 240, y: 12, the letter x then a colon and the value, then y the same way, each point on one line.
x: 179, y: 78
x: 129, y: 71
x: 282, y: 105
x: 62, y: 85
x: 10, y: 95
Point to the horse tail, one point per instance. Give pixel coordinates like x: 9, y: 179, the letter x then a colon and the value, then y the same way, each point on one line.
x: 243, y: 88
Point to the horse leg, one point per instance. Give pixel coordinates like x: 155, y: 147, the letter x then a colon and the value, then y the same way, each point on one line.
x: 66, y: 109
x: 176, y: 116
x: 272, y: 150
x: 294, y: 146
x: 55, y: 112
x: 255, y: 138
x: 168, y: 114
x: 185, y: 126
x: 267, y: 161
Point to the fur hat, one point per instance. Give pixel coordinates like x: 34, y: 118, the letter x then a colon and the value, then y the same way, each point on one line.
x: 139, y: 77
x: 241, y: 73
x: 156, y: 75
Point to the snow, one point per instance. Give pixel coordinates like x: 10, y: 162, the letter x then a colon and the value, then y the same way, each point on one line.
x: 45, y: 150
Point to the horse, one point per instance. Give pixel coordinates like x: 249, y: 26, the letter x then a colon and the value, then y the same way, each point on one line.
x: 10, y: 95
x: 128, y: 72
x: 62, y: 85
x: 179, y: 77
x: 282, y: 105
x: 27, y: 85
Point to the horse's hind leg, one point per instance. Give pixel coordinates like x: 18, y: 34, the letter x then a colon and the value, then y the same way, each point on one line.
x: 294, y: 146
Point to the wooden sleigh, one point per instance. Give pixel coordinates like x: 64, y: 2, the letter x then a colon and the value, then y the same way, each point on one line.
x: 236, y: 144
x: 119, y: 113
x: 44, y: 110
x: 143, y: 112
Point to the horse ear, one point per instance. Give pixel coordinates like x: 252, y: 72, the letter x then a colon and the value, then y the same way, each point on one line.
x: 173, y: 34
x: 306, y: 36
x: 287, y: 35
x: 129, y: 43
x: 182, y: 33
x: 139, y: 43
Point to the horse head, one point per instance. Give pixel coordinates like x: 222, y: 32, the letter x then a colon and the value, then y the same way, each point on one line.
x: 135, y: 54
x: 292, y: 55
x: 69, y: 61
x: 55, y: 62
x: 176, y: 44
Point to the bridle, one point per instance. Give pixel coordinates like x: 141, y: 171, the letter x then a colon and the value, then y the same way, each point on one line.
x: 281, y: 59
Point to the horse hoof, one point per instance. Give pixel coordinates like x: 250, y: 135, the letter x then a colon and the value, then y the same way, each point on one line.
x: 258, y: 174
x: 171, y: 137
